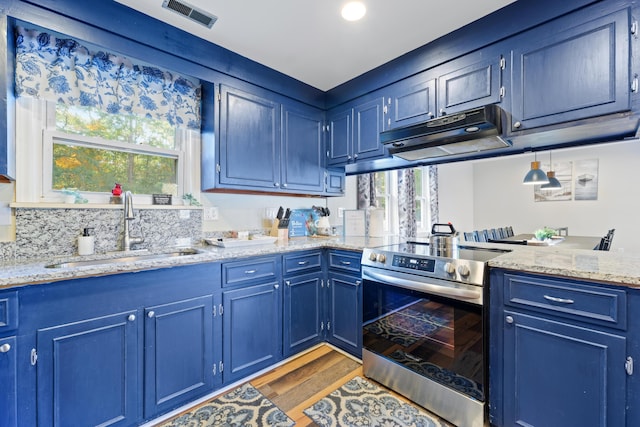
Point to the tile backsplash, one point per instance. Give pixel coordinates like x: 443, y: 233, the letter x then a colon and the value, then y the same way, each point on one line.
x: 43, y: 233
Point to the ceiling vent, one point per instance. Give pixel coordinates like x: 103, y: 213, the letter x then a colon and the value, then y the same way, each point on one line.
x: 191, y: 12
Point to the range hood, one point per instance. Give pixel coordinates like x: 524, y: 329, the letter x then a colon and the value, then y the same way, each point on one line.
x: 469, y: 131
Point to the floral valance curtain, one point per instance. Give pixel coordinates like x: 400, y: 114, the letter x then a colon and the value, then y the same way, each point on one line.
x: 63, y: 70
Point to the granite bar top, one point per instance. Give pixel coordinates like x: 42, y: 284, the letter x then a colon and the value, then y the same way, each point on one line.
x: 13, y: 274
x: 601, y: 266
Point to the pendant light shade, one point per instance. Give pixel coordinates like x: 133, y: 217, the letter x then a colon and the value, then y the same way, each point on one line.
x: 553, y: 181
x: 551, y: 175
x: 535, y: 175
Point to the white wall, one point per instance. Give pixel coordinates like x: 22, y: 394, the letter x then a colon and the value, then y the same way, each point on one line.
x: 455, y: 190
x: 246, y: 211
x: 500, y: 199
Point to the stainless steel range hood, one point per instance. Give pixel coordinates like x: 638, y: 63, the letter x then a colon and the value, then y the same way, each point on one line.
x: 470, y: 131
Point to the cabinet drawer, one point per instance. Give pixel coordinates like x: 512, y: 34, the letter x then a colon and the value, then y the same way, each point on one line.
x: 8, y: 311
x: 247, y: 271
x: 302, y: 262
x: 581, y: 302
x: 346, y: 261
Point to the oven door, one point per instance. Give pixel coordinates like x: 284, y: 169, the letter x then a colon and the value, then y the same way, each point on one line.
x: 437, y: 336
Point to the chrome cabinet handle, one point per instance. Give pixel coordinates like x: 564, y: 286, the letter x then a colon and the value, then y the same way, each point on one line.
x: 345, y: 262
x: 131, y: 317
x: 151, y: 314
x: 249, y: 271
x: 303, y: 262
x: 276, y: 286
x: 517, y: 125
x: 4, y: 348
x: 560, y: 300
x: 509, y: 319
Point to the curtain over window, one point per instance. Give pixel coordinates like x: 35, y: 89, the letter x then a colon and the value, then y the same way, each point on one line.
x: 63, y: 70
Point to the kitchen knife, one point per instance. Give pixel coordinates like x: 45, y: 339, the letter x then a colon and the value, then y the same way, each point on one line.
x: 285, y: 220
x: 279, y: 214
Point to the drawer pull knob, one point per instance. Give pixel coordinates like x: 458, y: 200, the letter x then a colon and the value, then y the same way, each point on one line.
x: 4, y: 348
x: 558, y: 300
x: 509, y: 319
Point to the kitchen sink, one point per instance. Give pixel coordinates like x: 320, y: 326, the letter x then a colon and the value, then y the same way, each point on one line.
x: 126, y: 259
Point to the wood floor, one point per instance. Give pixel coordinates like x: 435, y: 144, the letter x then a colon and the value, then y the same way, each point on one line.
x: 301, y: 382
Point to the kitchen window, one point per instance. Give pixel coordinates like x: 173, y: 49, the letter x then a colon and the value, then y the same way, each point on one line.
x: 386, y: 194
x: 93, y: 118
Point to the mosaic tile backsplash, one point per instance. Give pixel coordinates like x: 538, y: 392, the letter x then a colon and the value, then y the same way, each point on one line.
x: 42, y: 233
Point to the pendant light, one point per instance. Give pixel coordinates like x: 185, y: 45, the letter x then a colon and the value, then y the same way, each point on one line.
x: 535, y: 175
x: 551, y: 175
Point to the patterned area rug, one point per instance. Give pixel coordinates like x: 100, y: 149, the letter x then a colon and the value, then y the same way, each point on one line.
x: 242, y: 407
x: 362, y: 403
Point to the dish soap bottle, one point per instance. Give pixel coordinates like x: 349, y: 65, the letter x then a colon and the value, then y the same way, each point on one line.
x: 86, y: 242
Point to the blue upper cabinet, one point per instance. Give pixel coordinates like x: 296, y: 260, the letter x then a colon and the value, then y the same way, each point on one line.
x: 249, y: 140
x: 302, y: 161
x: 411, y: 101
x: 354, y: 131
x: 564, y: 72
x: 471, y: 81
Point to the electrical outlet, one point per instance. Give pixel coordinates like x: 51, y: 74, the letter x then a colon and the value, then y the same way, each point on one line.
x: 185, y: 214
x: 210, y: 213
x: 340, y: 212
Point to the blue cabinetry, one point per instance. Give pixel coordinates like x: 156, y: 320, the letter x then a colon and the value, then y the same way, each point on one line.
x: 88, y: 372
x: 304, y: 301
x: 354, y: 131
x: 249, y: 142
x: 558, y: 352
x: 8, y: 381
x: 344, y: 326
x: 252, y: 317
x: 178, y: 353
x: 571, y: 68
x: 413, y: 100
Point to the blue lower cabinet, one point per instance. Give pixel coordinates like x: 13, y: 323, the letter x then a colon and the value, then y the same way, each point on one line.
x: 87, y: 372
x: 344, y: 328
x: 303, y: 312
x: 178, y: 353
x: 558, y: 375
x: 252, y: 329
x: 8, y: 383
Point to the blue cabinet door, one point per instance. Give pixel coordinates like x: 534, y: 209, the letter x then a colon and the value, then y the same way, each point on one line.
x: 252, y: 329
x: 335, y: 181
x: 249, y: 138
x: 8, y: 382
x: 558, y: 375
x: 368, y: 122
x: 562, y: 72
x: 302, y: 153
x: 339, y: 147
x: 345, y: 313
x: 178, y: 353
x: 303, y: 312
x: 87, y: 372
x: 470, y: 82
x: 412, y: 102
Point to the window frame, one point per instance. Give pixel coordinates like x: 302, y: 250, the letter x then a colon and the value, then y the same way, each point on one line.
x: 35, y: 121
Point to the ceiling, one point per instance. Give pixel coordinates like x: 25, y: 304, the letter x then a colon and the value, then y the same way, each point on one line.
x: 309, y: 40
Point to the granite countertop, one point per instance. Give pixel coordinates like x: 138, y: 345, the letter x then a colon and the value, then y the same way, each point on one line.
x: 609, y: 267
x: 20, y: 273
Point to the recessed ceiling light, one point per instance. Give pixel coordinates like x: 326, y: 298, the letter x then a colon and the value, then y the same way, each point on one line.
x: 353, y: 11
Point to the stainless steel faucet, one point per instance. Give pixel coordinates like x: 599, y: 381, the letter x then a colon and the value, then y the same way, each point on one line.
x: 129, y: 216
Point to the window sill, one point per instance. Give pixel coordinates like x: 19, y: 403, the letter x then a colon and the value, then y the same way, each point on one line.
x: 34, y: 205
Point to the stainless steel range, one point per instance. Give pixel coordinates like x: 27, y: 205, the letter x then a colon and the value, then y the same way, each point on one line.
x: 424, y: 327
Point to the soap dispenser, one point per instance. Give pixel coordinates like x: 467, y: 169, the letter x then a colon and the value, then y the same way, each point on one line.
x: 86, y: 242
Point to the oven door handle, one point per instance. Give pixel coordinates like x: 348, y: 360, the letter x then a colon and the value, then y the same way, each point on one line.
x: 445, y: 291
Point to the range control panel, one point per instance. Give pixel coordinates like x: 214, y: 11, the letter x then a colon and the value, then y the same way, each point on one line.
x: 421, y: 264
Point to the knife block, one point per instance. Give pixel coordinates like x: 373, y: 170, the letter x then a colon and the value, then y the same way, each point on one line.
x: 274, y: 227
